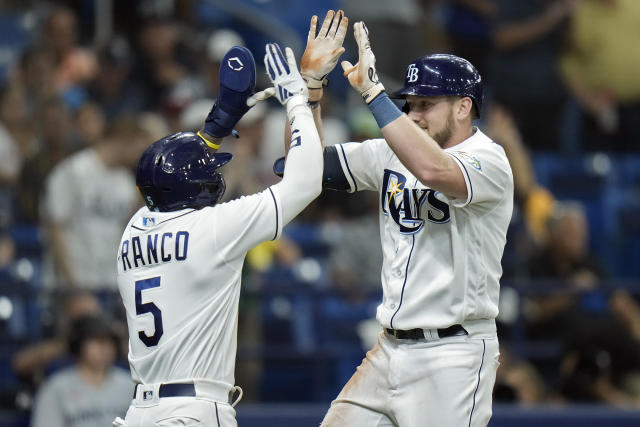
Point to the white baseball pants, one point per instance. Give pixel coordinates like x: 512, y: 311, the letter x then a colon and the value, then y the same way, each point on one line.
x: 208, y: 408
x: 446, y: 382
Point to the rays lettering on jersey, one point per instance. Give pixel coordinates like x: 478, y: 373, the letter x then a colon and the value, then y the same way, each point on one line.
x: 405, y: 204
x: 159, y: 248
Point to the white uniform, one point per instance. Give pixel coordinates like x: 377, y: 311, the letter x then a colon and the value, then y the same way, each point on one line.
x: 179, y: 277
x: 441, y: 268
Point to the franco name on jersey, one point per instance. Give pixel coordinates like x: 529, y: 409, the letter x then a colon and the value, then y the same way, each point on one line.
x: 158, y: 248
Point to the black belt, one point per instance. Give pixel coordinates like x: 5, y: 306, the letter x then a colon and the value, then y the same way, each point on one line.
x: 173, y: 390
x: 177, y: 390
x: 418, y: 334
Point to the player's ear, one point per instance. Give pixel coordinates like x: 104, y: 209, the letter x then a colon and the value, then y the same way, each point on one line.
x: 463, y: 107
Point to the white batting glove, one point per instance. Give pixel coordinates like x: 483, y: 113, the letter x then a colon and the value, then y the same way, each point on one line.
x: 290, y: 89
x: 363, y: 76
x: 323, y: 49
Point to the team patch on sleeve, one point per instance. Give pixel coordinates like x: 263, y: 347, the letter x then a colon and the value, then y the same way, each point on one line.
x: 469, y: 159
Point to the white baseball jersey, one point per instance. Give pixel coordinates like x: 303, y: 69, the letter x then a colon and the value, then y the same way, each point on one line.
x: 179, y: 272
x: 441, y: 256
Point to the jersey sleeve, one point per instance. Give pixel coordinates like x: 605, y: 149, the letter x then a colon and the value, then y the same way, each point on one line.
x: 247, y: 221
x: 362, y: 163
x: 486, y: 172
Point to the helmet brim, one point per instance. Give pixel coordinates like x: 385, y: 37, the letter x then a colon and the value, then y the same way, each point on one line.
x: 221, y: 159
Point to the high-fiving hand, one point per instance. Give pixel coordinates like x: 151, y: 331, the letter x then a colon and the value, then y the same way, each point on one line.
x: 290, y: 89
x: 363, y: 76
x: 324, y: 48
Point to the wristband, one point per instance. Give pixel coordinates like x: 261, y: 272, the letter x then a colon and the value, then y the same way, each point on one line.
x: 210, y: 144
x: 313, y: 104
x: 384, y: 110
x: 316, y: 94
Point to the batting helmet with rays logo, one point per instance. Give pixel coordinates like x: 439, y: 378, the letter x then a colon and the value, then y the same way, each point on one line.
x: 179, y: 171
x: 442, y: 75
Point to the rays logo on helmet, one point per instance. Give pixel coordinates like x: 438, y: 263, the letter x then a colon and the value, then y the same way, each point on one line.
x: 235, y: 64
x: 412, y: 73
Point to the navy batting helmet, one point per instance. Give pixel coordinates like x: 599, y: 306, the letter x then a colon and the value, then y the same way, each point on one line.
x: 442, y: 74
x: 179, y: 171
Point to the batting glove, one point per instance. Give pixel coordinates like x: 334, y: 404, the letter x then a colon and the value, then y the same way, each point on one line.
x: 323, y: 49
x: 363, y: 76
x: 290, y: 88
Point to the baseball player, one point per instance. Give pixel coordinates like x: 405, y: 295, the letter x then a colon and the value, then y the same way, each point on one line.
x: 446, y: 194
x: 180, y: 257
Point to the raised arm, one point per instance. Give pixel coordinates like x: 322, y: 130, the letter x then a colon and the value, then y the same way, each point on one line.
x: 415, y: 148
x: 320, y: 57
x: 302, y: 181
x: 235, y: 96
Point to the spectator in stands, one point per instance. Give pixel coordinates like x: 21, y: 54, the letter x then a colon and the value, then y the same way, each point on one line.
x: 93, y: 392
x: 600, y: 67
x: 74, y: 66
x: 90, y: 124
x: 390, y: 22
x: 601, y: 354
x: 467, y: 24
x: 54, y: 142
x: 33, y: 363
x: 36, y: 74
x: 518, y: 381
x: 113, y: 87
x: 532, y: 202
x: 527, y: 37
x: 160, y: 66
x: 14, y: 134
x: 355, y: 260
x: 83, y: 215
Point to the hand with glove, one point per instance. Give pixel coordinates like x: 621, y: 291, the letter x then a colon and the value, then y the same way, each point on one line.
x: 363, y: 76
x: 290, y: 88
x: 235, y: 97
x: 323, y: 51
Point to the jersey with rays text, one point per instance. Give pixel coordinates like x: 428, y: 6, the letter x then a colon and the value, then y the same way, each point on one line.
x: 441, y: 256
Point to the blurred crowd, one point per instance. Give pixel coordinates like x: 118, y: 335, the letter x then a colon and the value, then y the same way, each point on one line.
x: 86, y: 85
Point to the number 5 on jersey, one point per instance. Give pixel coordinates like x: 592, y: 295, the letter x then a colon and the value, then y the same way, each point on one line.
x: 149, y: 307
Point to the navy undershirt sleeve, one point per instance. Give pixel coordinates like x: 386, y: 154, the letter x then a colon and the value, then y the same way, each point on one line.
x: 333, y: 177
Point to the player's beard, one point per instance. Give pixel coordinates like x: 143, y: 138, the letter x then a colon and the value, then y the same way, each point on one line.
x: 443, y: 137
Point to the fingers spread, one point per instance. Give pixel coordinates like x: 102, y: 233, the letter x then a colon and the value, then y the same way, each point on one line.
x: 326, y: 24
x: 280, y: 67
x: 335, y: 23
x: 342, y: 29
